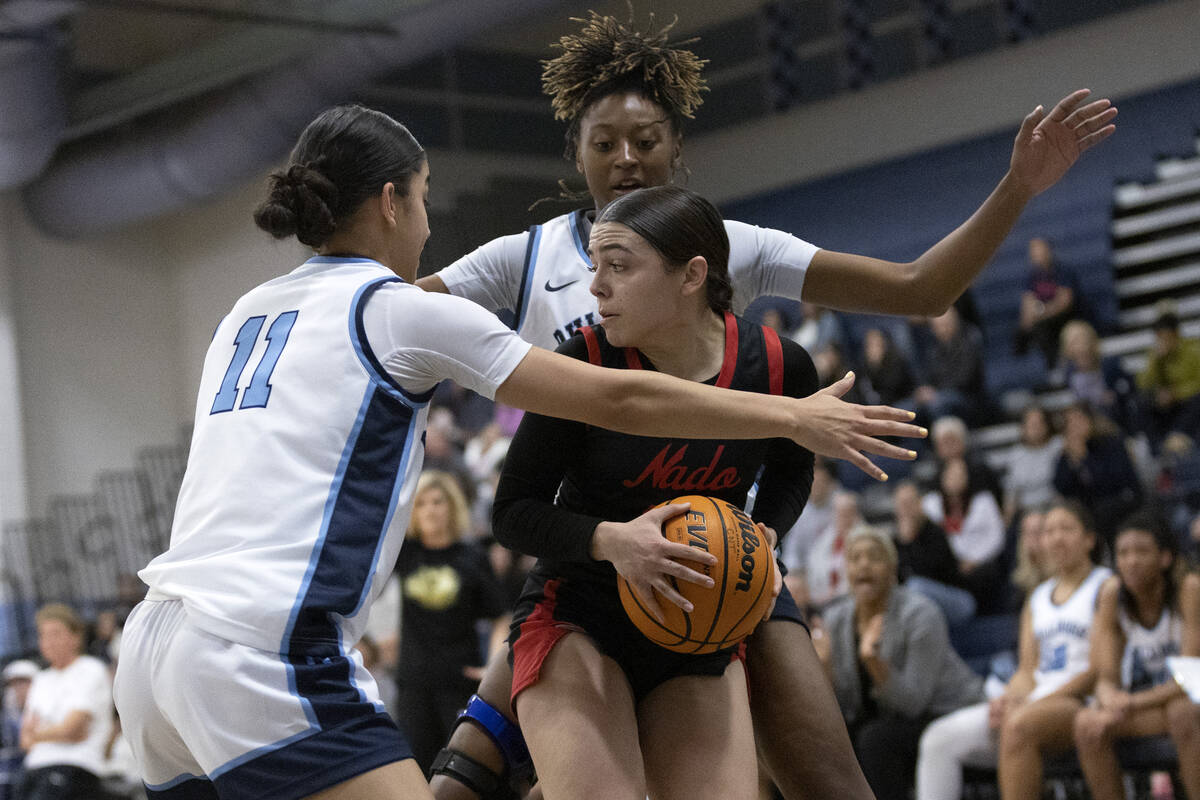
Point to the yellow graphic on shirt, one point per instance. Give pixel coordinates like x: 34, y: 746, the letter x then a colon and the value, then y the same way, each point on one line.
x: 434, y: 588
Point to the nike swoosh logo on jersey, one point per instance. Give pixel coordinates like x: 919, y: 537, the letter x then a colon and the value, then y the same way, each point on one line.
x: 550, y: 288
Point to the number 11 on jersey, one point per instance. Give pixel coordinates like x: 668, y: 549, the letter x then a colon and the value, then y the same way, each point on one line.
x: 258, y: 392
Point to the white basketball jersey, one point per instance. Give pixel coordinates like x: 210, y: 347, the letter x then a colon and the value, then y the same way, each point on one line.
x: 305, y: 454
x: 1062, y: 630
x: 545, y: 277
x: 555, y: 292
x: 1144, y: 662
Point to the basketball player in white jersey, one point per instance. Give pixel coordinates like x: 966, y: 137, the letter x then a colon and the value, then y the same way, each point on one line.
x: 1035, y: 712
x: 1149, y: 610
x: 237, y: 676
x: 625, y: 95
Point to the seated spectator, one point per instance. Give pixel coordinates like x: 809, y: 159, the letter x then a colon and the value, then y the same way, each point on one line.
x: 822, y: 574
x: 1099, y: 381
x: 927, y: 564
x: 1032, y: 566
x: 1170, y: 384
x: 17, y: 676
x: 953, y: 372
x: 1047, y: 304
x: 1147, y: 611
x: 447, y: 588
x: 950, y: 440
x: 893, y: 670
x: 886, y: 373
x: 1095, y: 469
x: 813, y: 520
x: 1034, y: 715
x: 974, y: 526
x: 1029, y: 481
x: 68, y: 718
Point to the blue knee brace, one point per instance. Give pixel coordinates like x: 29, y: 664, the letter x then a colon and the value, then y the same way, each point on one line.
x: 506, y: 736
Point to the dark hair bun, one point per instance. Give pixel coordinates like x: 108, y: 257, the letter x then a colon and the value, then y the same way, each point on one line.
x: 300, y: 203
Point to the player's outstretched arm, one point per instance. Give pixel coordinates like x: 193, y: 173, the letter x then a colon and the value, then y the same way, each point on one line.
x: 1047, y: 145
x: 652, y: 404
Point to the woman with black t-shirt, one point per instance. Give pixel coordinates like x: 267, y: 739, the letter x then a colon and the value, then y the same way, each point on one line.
x: 447, y: 586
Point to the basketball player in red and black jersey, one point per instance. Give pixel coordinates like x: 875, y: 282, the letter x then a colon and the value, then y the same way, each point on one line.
x: 599, y: 704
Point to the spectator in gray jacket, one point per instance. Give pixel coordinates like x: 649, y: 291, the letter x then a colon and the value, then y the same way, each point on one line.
x: 888, y: 654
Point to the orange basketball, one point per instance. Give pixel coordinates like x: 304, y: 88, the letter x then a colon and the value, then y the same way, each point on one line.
x: 743, y: 577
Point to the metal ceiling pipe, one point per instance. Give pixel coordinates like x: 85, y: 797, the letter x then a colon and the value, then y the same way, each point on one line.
x: 169, y: 163
x: 32, y: 110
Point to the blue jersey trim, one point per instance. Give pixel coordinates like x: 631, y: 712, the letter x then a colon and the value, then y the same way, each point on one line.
x: 316, y: 762
x: 358, y: 336
x: 577, y: 235
x: 171, y: 784
x: 260, y: 751
x: 358, y: 513
x: 531, y: 253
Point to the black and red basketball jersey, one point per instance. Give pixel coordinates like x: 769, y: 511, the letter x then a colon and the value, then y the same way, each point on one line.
x: 562, y: 478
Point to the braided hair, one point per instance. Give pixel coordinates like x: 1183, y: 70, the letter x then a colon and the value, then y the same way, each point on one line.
x: 608, y: 56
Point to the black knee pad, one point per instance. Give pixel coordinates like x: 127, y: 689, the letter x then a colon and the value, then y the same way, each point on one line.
x: 478, y: 778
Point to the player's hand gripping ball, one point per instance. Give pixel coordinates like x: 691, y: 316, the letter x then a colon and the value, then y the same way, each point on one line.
x: 743, y: 578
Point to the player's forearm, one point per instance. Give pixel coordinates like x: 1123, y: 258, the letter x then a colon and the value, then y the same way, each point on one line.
x: 943, y: 272
x: 652, y: 404
x: 1158, y: 696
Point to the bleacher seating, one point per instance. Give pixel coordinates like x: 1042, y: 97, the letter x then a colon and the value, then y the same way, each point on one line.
x: 1155, y: 256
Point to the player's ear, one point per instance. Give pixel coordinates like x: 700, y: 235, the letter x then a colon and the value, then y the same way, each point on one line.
x: 389, y: 205
x: 695, y: 275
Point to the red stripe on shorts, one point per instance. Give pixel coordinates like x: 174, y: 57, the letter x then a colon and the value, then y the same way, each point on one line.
x: 538, y: 634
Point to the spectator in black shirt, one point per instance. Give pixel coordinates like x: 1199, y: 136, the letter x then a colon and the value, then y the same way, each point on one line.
x: 447, y: 587
x: 927, y: 564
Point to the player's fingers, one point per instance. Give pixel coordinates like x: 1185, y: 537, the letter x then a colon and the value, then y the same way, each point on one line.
x: 1068, y: 104
x: 667, y: 590
x: 685, y: 573
x: 1096, y: 138
x: 677, y: 550
x: 645, y: 596
x: 1031, y: 121
x: 664, y: 513
x: 1083, y: 114
x: 840, y: 386
x: 768, y: 534
x: 888, y: 413
x: 889, y: 427
x: 881, y: 448
x: 863, y: 463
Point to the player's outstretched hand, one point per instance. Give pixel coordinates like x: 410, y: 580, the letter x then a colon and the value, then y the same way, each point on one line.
x: 1048, y: 144
x: 648, y: 560
x: 837, y: 429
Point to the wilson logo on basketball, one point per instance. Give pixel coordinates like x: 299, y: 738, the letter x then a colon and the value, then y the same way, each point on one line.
x: 750, y: 543
x: 667, y: 471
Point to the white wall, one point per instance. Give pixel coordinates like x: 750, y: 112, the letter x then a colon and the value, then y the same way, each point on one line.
x: 110, y: 332
x: 97, y: 325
